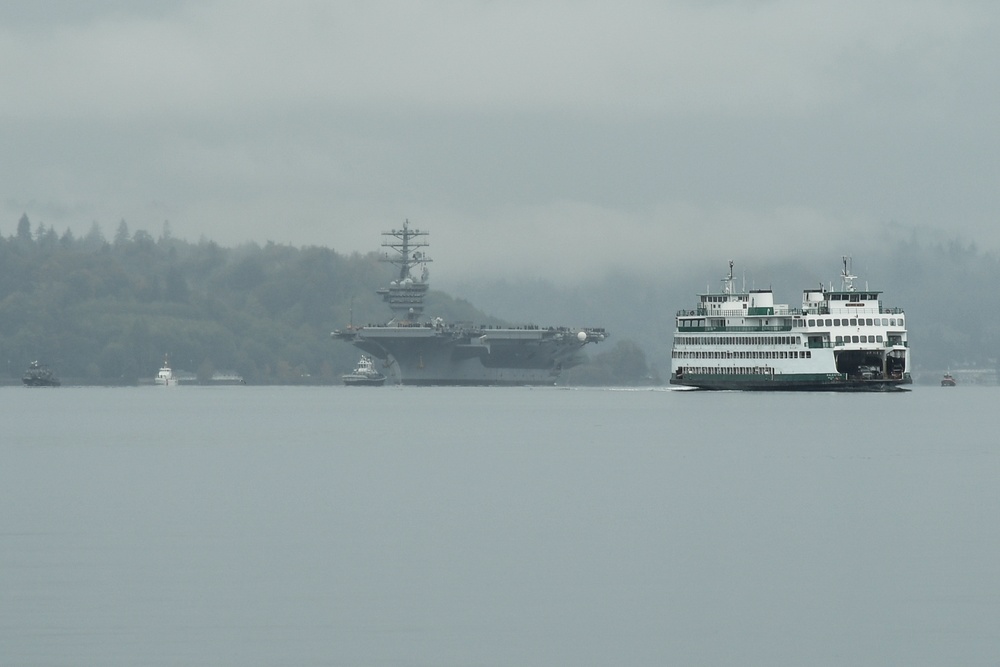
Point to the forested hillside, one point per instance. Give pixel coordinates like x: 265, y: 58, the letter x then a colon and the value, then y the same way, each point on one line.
x: 103, y: 310
x: 107, y: 311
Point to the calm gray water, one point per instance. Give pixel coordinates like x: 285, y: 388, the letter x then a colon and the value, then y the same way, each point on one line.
x: 434, y: 526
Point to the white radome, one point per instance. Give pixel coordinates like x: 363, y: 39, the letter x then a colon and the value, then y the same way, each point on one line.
x: 582, y: 336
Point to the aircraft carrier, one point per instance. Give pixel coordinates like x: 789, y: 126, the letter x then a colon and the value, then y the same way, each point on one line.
x: 414, y: 350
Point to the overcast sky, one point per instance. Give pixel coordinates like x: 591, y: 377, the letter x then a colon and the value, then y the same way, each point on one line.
x: 553, y: 139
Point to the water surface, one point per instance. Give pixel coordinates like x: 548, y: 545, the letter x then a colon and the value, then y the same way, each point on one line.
x: 515, y: 526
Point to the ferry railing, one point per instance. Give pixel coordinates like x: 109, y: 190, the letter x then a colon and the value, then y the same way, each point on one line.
x: 736, y: 329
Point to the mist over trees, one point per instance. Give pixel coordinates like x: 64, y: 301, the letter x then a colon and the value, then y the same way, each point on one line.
x: 945, y: 287
x: 107, y: 311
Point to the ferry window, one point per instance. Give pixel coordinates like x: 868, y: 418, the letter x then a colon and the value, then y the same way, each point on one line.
x: 854, y: 322
x: 829, y: 322
x: 885, y: 321
x: 878, y: 339
x: 900, y: 322
x: 812, y: 323
x: 840, y: 339
x: 855, y: 339
x: 892, y: 322
x: 836, y: 322
x: 809, y: 354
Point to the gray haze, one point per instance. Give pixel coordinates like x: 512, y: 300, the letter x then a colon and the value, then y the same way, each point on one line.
x: 556, y: 140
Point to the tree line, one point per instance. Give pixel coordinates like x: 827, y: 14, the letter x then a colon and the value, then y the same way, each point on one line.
x: 105, y: 311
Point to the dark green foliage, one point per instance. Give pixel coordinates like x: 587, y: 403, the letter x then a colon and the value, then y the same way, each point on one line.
x: 100, y: 312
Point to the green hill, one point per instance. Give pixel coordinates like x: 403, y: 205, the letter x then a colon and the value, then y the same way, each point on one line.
x: 106, y: 312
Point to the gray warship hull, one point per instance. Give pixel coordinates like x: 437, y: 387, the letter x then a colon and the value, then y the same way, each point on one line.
x: 417, y: 352
x: 429, y: 355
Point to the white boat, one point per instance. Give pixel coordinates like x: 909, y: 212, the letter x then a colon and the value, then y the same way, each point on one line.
x: 365, y: 375
x: 840, y: 339
x: 165, y: 377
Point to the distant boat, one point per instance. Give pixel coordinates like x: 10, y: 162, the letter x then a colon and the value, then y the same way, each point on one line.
x: 39, y: 375
x: 948, y: 380
x: 165, y: 377
x: 365, y: 375
x: 226, y: 377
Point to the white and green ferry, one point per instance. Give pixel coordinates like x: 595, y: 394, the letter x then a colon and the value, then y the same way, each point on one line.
x: 839, y: 340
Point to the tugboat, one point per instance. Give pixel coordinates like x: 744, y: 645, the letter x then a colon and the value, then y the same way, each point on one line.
x: 165, y: 377
x: 39, y: 375
x: 840, y: 340
x: 948, y: 380
x: 365, y: 375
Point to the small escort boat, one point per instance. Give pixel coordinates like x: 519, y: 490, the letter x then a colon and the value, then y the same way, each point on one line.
x: 365, y: 375
x: 165, y: 377
x: 39, y: 375
x: 948, y: 380
x: 840, y: 340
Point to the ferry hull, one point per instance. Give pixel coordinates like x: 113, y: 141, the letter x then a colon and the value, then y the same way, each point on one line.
x: 805, y: 382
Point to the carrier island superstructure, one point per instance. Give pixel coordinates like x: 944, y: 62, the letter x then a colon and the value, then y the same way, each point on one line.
x: 415, y: 350
x: 840, y: 339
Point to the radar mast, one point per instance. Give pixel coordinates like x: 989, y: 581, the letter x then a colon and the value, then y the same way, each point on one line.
x: 846, y: 277
x: 405, y: 294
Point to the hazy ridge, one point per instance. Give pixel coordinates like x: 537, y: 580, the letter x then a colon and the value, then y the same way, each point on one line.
x: 107, y: 311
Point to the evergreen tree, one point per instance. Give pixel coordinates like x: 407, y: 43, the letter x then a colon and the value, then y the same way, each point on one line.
x: 122, y: 235
x: 24, y: 228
